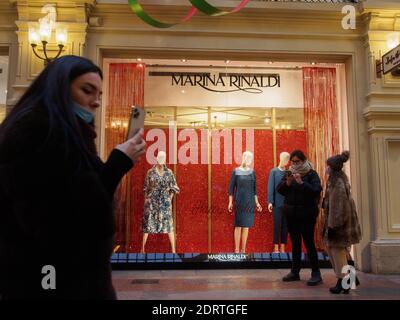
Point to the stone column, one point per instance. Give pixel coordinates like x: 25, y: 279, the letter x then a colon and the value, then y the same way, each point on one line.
x: 8, y: 40
x: 382, y: 113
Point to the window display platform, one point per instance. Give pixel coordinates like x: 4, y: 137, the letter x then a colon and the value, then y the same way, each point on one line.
x: 131, y: 261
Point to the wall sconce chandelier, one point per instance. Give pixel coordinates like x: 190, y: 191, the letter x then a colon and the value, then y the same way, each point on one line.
x: 42, y: 35
x: 390, y: 61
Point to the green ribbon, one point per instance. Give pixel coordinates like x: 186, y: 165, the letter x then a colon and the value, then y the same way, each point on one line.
x: 210, y: 10
x: 200, y: 5
x: 137, y: 8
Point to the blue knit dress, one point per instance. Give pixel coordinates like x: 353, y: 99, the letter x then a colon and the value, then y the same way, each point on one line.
x: 243, y: 188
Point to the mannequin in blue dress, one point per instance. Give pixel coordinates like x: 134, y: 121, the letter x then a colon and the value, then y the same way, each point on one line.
x: 243, y: 188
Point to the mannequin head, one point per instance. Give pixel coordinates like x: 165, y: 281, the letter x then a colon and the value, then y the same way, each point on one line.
x: 161, y: 158
x: 247, y: 159
x: 284, y: 158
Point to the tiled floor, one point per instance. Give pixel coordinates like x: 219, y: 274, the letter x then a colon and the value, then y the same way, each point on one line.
x: 243, y: 284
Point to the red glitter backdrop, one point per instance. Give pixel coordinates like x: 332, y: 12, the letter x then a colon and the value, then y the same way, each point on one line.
x: 197, y: 229
x: 192, y: 203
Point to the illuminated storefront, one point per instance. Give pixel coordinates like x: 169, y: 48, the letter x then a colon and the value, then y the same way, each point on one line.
x: 205, y: 114
x: 275, y: 38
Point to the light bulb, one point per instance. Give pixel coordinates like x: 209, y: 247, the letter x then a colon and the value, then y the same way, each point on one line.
x: 61, y: 36
x: 45, y: 31
x: 33, y: 36
x: 392, y: 40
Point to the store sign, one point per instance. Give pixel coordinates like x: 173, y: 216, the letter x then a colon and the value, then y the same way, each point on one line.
x: 202, y: 86
x: 223, y: 82
x: 391, y: 60
x: 227, y: 257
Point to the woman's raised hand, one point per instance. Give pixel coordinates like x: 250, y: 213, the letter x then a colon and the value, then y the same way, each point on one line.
x: 134, y: 147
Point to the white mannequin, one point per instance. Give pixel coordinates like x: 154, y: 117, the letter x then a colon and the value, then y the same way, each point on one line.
x: 284, y: 159
x: 247, y: 160
x: 161, y: 160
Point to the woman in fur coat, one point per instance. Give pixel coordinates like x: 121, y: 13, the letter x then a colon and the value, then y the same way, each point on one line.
x: 341, y: 223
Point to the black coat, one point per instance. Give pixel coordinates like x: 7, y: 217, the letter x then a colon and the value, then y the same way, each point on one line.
x: 55, y: 210
x: 301, y: 200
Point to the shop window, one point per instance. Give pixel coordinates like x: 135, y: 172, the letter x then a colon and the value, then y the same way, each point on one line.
x: 194, y: 118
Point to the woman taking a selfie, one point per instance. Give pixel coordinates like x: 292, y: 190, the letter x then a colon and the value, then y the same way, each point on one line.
x: 56, y: 217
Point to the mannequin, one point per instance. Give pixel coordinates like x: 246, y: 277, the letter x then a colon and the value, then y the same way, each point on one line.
x: 275, y: 202
x: 160, y: 188
x: 243, y: 188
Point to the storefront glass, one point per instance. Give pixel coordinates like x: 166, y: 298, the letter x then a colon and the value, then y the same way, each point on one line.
x: 204, y: 116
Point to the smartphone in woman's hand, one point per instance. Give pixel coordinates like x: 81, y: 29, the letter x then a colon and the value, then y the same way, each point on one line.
x: 136, y: 121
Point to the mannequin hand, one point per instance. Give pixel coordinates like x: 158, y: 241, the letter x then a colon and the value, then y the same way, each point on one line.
x: 270, y: 207
x: 230, y: 207
x: 259, y: 208
x: 134, y: 147
x: 297, y: 177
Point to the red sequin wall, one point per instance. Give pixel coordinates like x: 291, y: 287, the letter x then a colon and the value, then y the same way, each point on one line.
x: 289, y: 140
x: 192, y: 201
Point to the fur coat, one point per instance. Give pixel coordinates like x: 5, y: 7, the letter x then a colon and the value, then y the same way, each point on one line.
x: 342, y: 228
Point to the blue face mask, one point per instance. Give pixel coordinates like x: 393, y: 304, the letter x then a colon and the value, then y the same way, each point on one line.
x: 82, y: 113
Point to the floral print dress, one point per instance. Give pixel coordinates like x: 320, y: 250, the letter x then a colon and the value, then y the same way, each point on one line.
x: 157, y: 216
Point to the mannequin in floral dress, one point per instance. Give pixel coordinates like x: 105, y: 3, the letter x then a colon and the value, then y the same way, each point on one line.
x: 159, y: 189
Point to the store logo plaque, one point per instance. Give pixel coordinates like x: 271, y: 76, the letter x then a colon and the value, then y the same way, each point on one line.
x: 228, y: 257
x: 253, y: 83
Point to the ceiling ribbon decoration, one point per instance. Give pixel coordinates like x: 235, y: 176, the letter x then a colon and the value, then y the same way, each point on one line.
x: 139, y: 11
x: 200, y: 5
x: 210, y: 10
